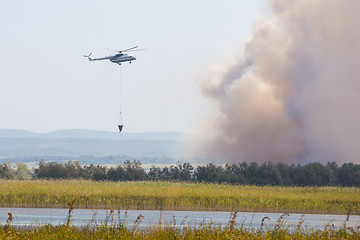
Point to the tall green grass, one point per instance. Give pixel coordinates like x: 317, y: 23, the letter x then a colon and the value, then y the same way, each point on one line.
x: 178, y: 196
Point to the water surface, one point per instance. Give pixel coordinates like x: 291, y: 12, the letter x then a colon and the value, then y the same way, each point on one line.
x: 82, y: 217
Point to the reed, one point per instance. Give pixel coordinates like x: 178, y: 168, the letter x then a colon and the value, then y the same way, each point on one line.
x: 116, y: 232
x: 178, y: 196
x: 202, y: 231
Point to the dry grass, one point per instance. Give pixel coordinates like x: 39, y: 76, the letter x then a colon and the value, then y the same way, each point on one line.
x: 178, y: 196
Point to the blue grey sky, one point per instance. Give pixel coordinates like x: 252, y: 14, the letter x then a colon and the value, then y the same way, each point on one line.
x: 47, y: 85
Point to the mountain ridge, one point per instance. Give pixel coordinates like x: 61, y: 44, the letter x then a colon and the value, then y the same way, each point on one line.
x: 94, y: 134
x: 79, y: 142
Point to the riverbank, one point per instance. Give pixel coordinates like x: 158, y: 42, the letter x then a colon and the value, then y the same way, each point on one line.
x: 111, y: 230
x: 178, y: 196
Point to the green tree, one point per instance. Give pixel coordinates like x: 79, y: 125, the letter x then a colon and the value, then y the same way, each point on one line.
x: 6, y: 172
x: 22, y: 171
x: 134, y: 171
x: 349, y: 174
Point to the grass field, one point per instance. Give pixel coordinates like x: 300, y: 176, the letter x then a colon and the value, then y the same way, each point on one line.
x: 178, y: 196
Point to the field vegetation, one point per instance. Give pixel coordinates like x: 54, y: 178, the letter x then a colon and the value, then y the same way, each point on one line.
x: 178, y: 196
x: 110, y: 229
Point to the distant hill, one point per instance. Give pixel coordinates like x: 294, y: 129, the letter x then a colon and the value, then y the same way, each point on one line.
x: 82, y: 142
x: 86, y: 134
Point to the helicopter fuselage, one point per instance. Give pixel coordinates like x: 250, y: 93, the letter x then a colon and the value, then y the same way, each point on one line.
x: 118, y: 58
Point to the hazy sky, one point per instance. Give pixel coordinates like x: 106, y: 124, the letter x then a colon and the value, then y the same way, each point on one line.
x: 47, y: 85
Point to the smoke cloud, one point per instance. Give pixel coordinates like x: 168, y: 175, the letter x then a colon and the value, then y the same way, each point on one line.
x: 294, y: 96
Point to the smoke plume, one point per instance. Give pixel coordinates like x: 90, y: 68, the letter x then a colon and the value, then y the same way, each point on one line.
x: 294, y: 96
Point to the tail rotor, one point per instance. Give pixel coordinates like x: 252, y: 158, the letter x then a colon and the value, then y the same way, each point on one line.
x: 88, y: 56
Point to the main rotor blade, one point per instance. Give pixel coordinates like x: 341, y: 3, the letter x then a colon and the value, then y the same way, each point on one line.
x: 128, y: 49
x: 136, y: 50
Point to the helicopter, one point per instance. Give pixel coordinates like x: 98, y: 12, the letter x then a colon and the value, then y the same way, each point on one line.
x: 117, y: 58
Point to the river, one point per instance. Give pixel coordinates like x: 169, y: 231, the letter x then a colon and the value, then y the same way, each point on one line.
x: 81, y: 217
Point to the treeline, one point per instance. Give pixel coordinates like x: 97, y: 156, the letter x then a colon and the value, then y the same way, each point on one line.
x: 311, y: 174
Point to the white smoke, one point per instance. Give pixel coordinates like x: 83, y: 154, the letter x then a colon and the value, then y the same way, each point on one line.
x: 295, y: 95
